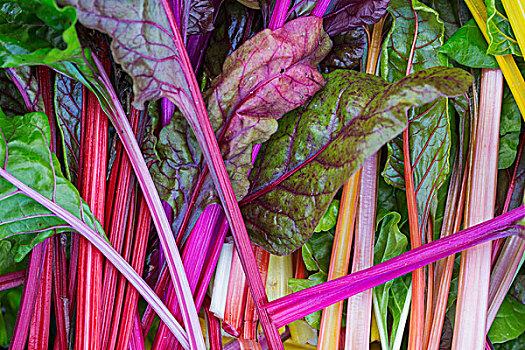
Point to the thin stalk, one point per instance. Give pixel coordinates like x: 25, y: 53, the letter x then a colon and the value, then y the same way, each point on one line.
x: 297, y: 305
x: 506, y: 63
x: 359, y: 312
x: 320, y: 8
x: 12, y: 280
x: 330, y: 329
x: 137, y: 263
x: 235, y: 299
x: 93, y: 191
x: 472, y: 302
x: 503, y: 274
x: 137, y: 339
x: 250, y: 315
x: 430, y: 297
x: 214, y: 328
x: 60, y: 296
x: 516, y: 13
x: 103, y: 246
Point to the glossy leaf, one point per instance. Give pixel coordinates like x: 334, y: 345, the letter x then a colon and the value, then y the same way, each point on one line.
x: 269, y: 75
x: 329, y: 218
x: 429, y: 125
x: 235, y: 23
x: 451, y: 12
x: 24, y: 151
x: 25, y: 80
x: 508, y: 323
x: 314, y: 320
x: 68, y: 109
x: 344, y: 14
x: 468, y: 47
x: 347, y: 51
x: 502, y: 39
x: 316, y: 252
x: 347, y: 121
x: 509, y: 130
x: 200, y: 19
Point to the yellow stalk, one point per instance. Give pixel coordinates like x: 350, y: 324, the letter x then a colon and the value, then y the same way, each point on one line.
x: 331, y: 319
x: 516, y: 12
x: 506, y: 62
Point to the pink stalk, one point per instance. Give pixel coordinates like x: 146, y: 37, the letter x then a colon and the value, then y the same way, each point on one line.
x: 60, y: 296
x: 320, y: 8
x: 137, y: 339
x: 297, y: 305
x: 29, y: 294
x: 279, y: 14
x: 214, y: 327
x: 127, y: 321
x: 12, y: 280
x: 193, y: 258
x: 236, y: 298
x: 250, y: 315
x: 472, y: 302
x: 359, y: 312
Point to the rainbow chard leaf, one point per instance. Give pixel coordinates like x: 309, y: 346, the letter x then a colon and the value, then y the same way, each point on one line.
x: 200, y: 19
x: 68, y: 108
x: 347, y: 51
x: 429, y: 124
x: 346, y: 122
x: 10, y: 98
x: 25, y: 80
x: 269, y: 75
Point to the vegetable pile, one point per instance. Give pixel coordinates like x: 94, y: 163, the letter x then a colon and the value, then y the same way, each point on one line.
x: 247, y: 174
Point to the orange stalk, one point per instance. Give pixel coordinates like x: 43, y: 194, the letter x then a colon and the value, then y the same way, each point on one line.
x: 331, y: 319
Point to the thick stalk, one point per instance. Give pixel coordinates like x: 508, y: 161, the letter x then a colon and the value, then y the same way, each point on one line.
x: 235, y: 299
x: 280, y: 11
x: 472, y: 302
x: 516, y: 13
x: 330, y: 329
x: 12, y: 280
x: 297, y: 305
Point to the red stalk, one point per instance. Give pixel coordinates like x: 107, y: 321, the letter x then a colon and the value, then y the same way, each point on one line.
x: 119, y: 205
x: 236, y: 298
x: 250, y: 315
x: 137, y: 340
x: 93, y: 191
x: 127, y: 321
x: 39, y: 329
x: 214, y: 327
x: 29, y: 294
x: 60, y: 296
x: 297, y: 305
x: 12, y: 280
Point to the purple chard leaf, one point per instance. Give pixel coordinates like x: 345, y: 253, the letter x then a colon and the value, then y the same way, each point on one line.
x: 330, y: 137
x: 353, y: 13
x: 269, y: 75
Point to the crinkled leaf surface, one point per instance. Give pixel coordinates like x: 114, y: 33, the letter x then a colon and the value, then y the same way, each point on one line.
x: 353, y: 13
x: 451, y: 12
x: 329, y: 219
x: 320, y: 145
x: 510, y: 129
x: 502, y: 39
x: 347, y: 50
x: 508, y: 323
x: 68, y: 109
x: 200, y: 19
x: 429, y: 125
x: 25, y: 154
x: 25, y: 80
x: 235, y: 23
x: 143, y: 44
x: 468, y: 47
x: 269, y: 75
x: 317, y: 250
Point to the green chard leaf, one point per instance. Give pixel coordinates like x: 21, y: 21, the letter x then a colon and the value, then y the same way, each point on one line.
x: 508, y: 323
x: 11, y: 100
x: 502, y: 39
x: 468, y: 47
x: 509, y: 130
x: 329, y: 218
x: 269, y: 75
x: 25, y: 154
x: 429, y: 128
x: 314, y: 320
x: 390, y: 296
x: 451, y: 12
x: 317, y: 251
x: 343, y: 124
